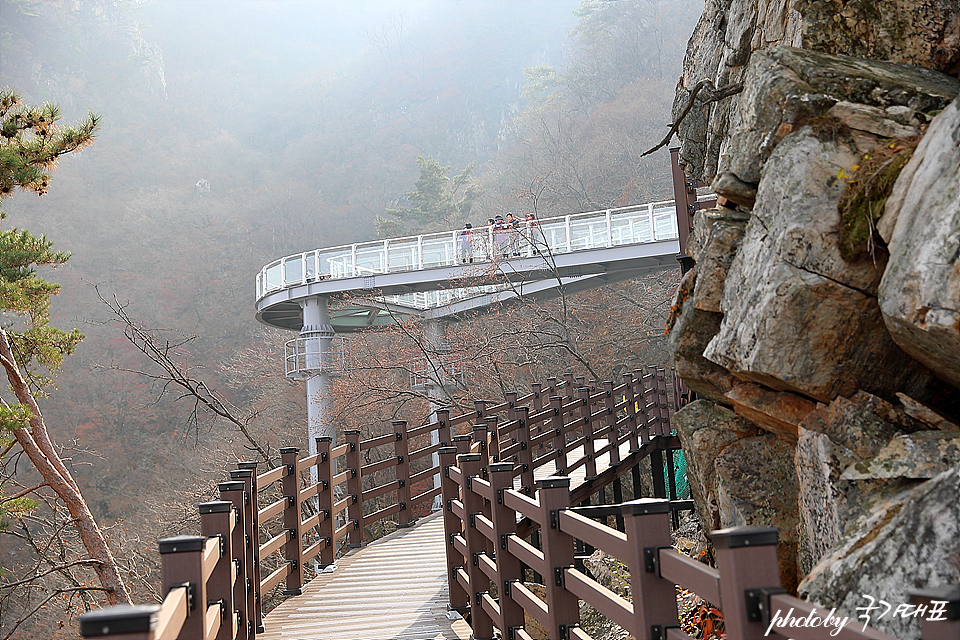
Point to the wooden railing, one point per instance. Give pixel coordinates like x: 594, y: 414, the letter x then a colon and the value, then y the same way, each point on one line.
x: 491, y: 506
x: 312, y: 508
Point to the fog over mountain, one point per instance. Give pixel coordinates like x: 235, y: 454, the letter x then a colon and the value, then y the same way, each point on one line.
x: 236, y: 132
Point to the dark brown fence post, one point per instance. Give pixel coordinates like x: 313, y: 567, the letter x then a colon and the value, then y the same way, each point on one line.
x: 631, y: 411
x: 492, y: 450
x: 216, y: 519
x: 255, y: 569
x: 647, y: 525
x: 248, y: 478
x: 559, y: 438
x: 120, y: 622
x: 481, y: 438
x: 525, y: 455
x: 462, y: 443
x: 476, y: 544
x: 746, y: 560
x: 293, y: 549
x: 354, y: 488
x: 444, y: 434
x: 401, y: 450
x: 589, y: 451
x: 551, y: 387
x: 452, y: 525
x: 663, y: 401
x: 480, y: 406
x: 537, y: 400
x: 563, y: 611
x: 181, y: 558
x: 944, y: 624
x: 244, y: 599
x: 509, y: 569
x: 610, y: 421
x: 641, y: 392
x: 325, y: 499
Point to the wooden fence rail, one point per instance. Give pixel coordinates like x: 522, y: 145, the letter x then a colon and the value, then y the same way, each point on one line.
x: 309, y: 509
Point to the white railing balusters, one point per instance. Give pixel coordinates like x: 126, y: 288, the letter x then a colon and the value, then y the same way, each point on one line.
x: 548, y: 235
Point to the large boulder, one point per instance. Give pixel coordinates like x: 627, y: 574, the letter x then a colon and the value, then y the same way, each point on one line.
x: 691, y: 330
x: 908, y: 542
x: 705, y: 429
x: 790, y: 301
x: 713, y: 244
x: 911, y: 32
x: 740, y: 476
x: 920, y: 291
x: 832, y: 439
x: 785, y: 88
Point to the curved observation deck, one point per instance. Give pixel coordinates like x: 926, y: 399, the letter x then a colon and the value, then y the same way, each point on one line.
x: 443, y: 274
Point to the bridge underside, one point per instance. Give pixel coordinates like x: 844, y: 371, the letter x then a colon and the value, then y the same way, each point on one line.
x: 362, y: 302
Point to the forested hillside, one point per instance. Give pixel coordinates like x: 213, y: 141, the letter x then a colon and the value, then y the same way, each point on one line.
x: 237, y: 132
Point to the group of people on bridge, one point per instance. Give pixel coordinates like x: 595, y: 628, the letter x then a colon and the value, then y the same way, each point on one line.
x: 501, y: 238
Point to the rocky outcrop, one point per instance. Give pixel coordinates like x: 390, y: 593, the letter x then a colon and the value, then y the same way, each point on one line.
x: 795, y: 320
x: 921, y: 33
x: 908, y: 541
x: 832, y: 439
x: 920, y: 291
x: 735, y: 479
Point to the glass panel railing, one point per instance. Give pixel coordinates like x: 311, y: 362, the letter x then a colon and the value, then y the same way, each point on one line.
x: 292, y: 270
x: 616, y: 227
x: 274, y: 277
x: 403, y: 255
x: 438, y: 251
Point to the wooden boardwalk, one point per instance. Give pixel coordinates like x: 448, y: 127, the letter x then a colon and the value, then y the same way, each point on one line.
x: 395, y: 587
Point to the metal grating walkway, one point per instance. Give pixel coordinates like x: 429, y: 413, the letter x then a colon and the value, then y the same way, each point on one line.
x: 395, y: 587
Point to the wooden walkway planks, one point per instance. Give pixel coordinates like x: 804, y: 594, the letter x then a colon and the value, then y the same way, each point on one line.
x: 395, y: 587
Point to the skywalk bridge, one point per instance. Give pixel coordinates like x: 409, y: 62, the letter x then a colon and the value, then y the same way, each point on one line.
x: 442, y: 274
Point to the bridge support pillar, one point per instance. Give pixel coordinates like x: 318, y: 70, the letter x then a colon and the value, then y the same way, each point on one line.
x: 318, y: 335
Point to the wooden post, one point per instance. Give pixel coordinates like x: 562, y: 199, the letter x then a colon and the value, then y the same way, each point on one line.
x: 293, y: 549
x: 480, y: 407
x: 244, y: 598
x: 746, y: 560
x: 647, y: 525
x: 476, y: 544
x: 452, y: 526
x: 481, y: 438
x: 563, y: 611
x: 492, y: 449
x: 610, y: 422
x: 509, y: 569
x: 945, y: 624
x: 252, y: 531
x: 588, y: 449
x: 444, y: 434
x: 255, y: 569
x: 462, y: 443
x: 551, y: 387
x: 325, y: 500
x: 568, y: 386
x: 218, y: 519
x: 120, y: 622
x: 559, y: 438
x: 401, y: 450
x: 641, y: 392
x: 181, y: 558
x: 525, y: 455
x: 355, y: 507
x: 631, y: 411
x: 663, y: 402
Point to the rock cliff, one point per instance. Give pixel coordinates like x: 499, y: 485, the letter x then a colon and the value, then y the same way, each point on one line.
x: 820, y: 325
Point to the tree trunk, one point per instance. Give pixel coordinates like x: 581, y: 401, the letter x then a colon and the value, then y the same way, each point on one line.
x: 38, y: 447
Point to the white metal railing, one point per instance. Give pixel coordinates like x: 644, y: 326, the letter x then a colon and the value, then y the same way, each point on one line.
x: 635, y: 224
x: 307, y: 357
